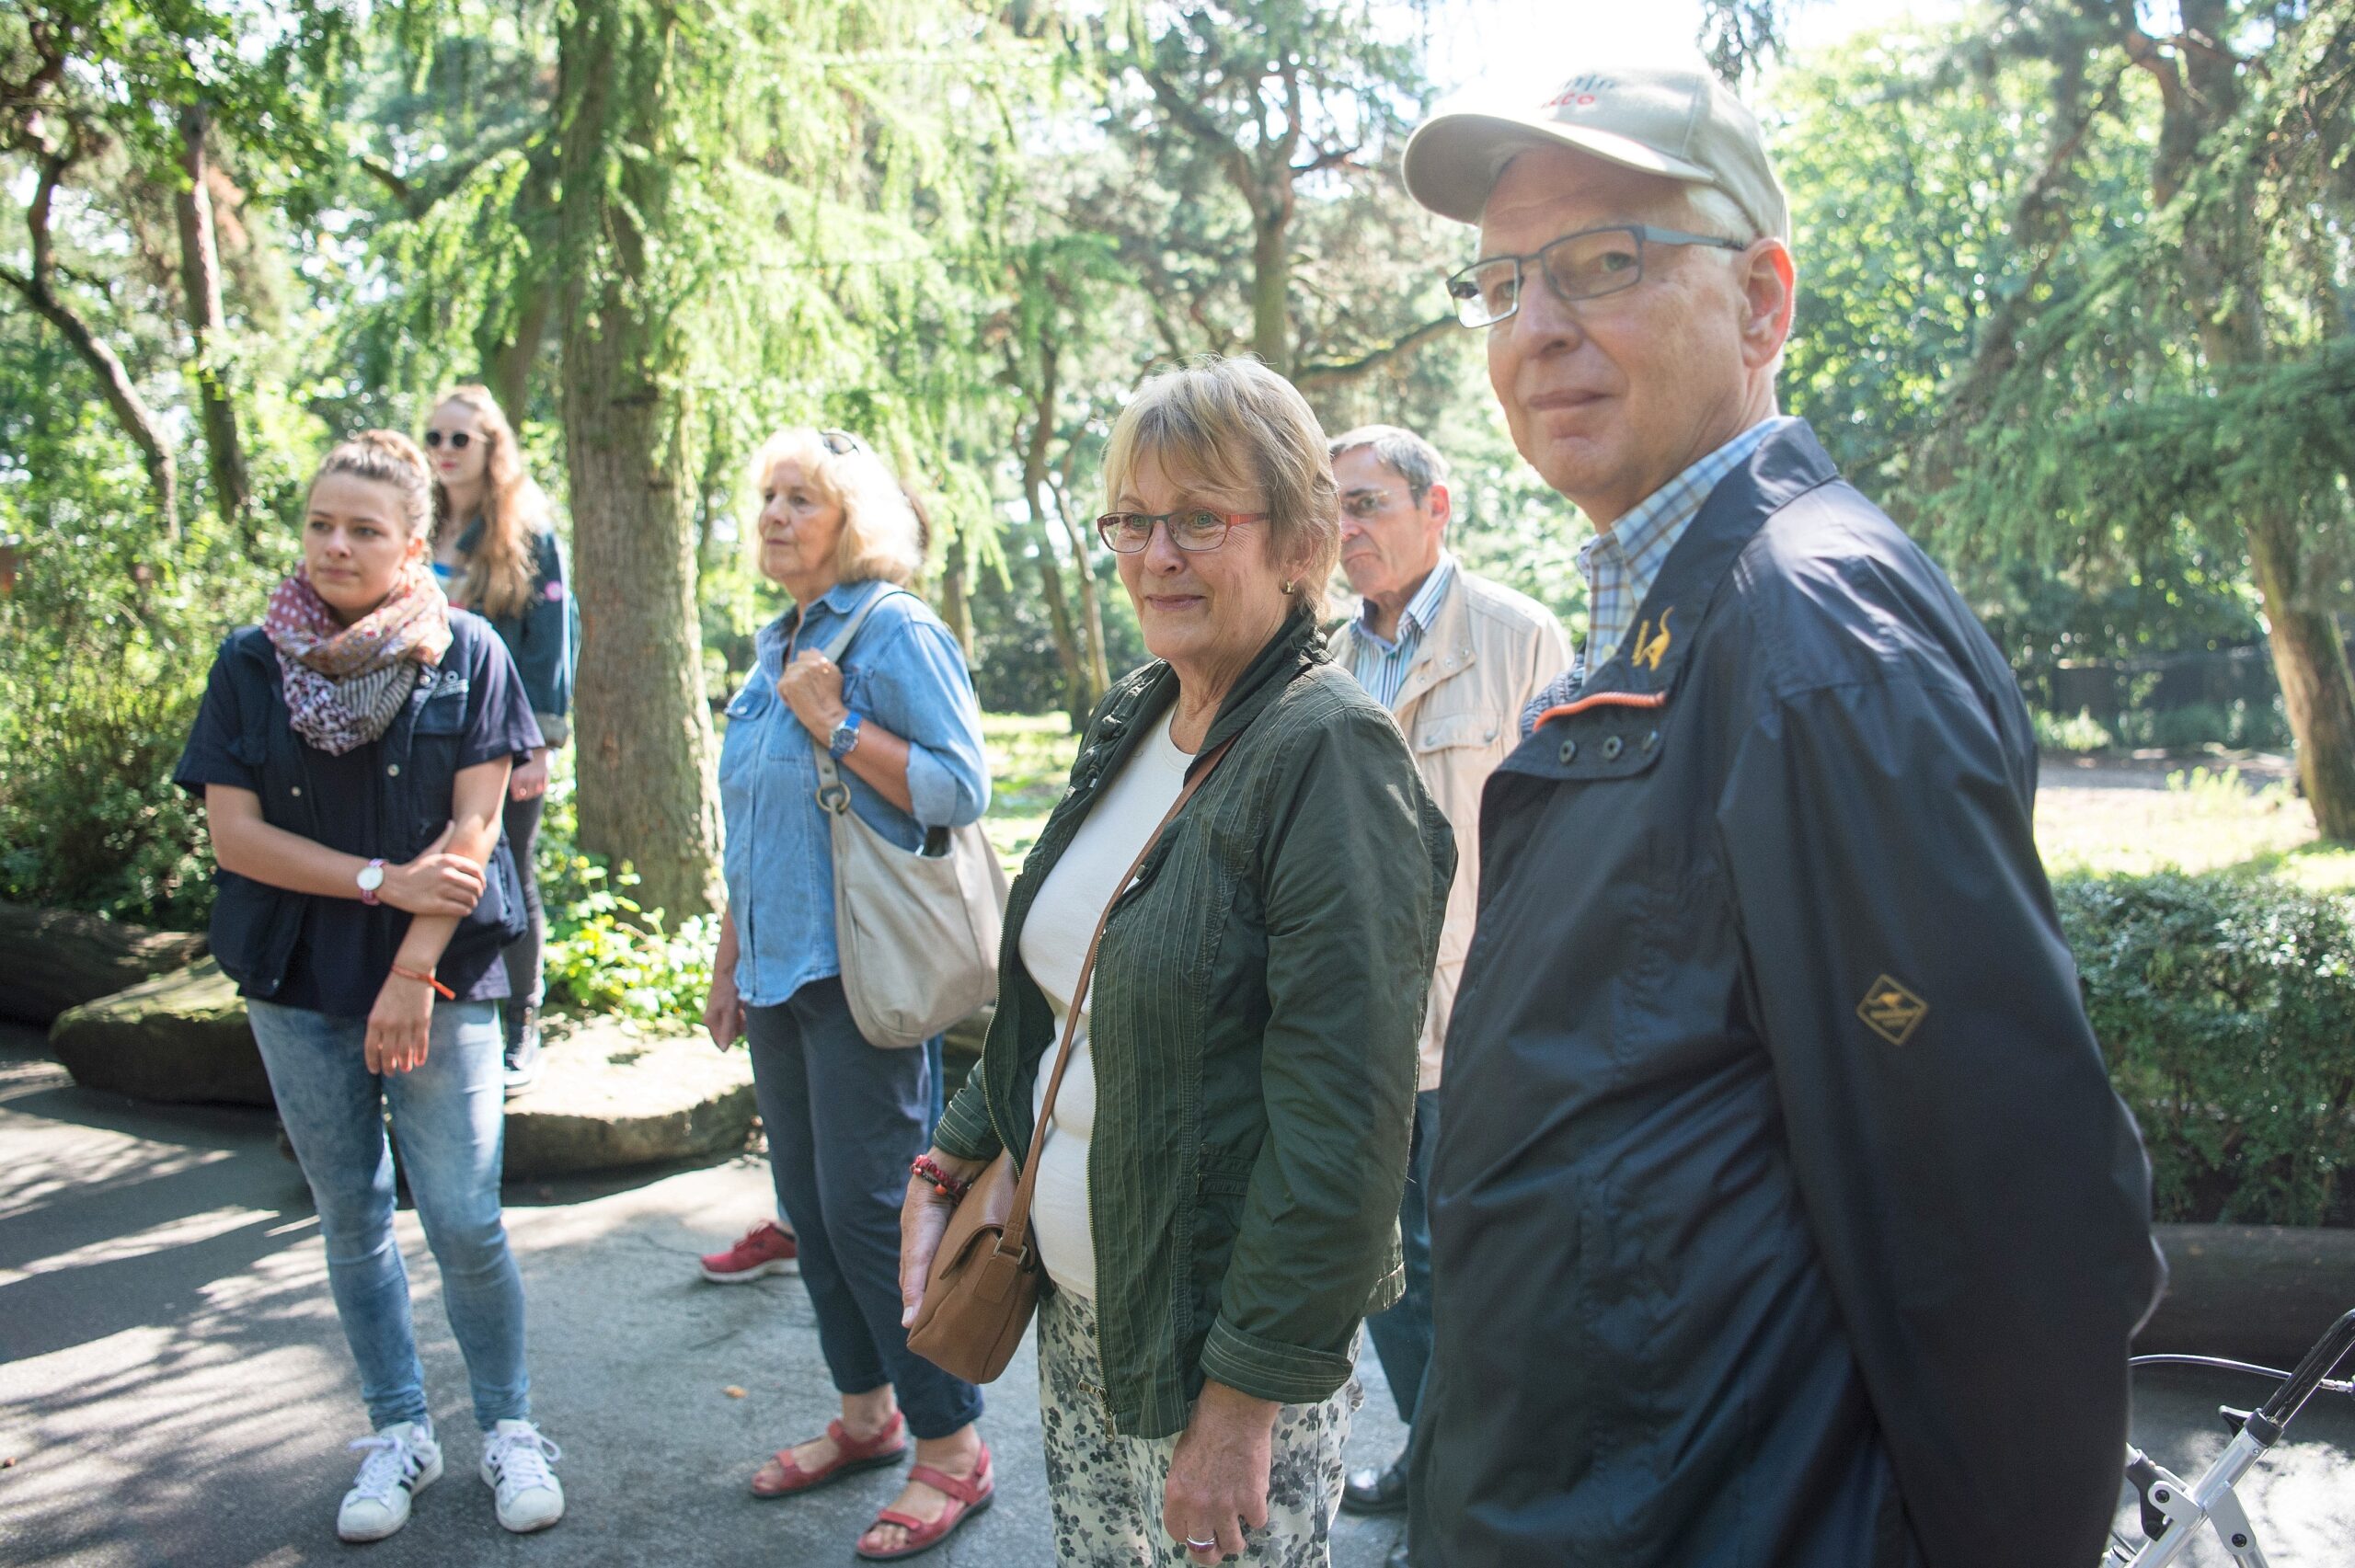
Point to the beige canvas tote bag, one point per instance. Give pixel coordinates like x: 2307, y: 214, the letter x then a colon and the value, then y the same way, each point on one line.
x: 916, y: 929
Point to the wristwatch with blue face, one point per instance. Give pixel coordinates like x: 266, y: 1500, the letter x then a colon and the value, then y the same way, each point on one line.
x: 844, y: 737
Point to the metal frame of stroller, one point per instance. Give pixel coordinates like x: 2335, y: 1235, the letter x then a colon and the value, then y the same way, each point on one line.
x: 2174, y: 1510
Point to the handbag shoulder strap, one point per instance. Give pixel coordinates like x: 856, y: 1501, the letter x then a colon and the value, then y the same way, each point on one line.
x: 839, y: 643
x: 829, y: 780
x: 1014, y: 1238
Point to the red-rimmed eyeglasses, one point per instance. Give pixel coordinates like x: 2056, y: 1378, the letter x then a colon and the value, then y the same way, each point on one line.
x: 1126, y: 532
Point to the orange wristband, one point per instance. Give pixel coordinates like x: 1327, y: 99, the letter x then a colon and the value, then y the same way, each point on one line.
x: 409, y: 974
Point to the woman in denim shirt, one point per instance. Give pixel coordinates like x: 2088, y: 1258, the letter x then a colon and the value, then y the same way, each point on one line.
x: 845, y: 1117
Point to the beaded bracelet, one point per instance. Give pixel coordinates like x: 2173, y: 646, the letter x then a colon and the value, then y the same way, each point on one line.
x: 950, y: 1187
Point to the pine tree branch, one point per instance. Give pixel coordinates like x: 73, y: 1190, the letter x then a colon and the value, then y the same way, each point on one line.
x: 1344, y: 369
x: 418, y: 196
x: 115, y: 384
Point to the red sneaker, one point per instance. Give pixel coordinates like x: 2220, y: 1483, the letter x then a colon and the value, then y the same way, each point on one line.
x: 767, y: 1248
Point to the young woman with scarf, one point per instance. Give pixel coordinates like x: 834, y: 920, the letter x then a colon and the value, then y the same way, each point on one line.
x: 495, y: 552
x: 353, y: 752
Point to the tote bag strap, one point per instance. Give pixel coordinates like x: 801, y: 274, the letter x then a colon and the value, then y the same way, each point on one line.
x: 832, y: 794
x: 1016, y: 1236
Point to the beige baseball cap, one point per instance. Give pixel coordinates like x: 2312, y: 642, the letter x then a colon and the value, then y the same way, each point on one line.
x: 1679, y: 123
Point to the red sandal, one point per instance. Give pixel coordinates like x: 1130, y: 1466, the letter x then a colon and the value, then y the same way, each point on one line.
x: 967, y: 1495
x: 851, y: 1456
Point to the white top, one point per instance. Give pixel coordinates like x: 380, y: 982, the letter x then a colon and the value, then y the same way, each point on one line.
x: 1055, y: 945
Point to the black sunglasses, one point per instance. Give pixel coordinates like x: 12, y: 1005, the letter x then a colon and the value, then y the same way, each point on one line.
x: 457, y: 439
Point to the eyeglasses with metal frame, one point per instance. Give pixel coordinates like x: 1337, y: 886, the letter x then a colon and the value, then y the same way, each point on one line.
x: 1367, y: 504
x: 1582, y: 266
x: 1194, y: 528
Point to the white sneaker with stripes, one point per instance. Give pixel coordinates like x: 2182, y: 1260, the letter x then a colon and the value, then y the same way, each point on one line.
x: 403, y: 1460
x: 515, y: 1467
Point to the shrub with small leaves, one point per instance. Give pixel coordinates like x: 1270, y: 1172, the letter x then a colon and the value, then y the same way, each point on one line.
x: 605, y: 953
x: 2225, y: 1007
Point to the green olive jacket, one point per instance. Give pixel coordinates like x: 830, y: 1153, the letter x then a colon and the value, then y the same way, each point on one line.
x: 1258, y: 1000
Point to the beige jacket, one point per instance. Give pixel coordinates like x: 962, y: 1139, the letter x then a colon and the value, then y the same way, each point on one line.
x: 1487, y: 653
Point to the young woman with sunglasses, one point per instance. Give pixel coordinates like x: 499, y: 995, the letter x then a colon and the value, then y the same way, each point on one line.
x: 495, y: 551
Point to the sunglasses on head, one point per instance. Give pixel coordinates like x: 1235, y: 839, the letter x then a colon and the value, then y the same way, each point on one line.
x: 840, y: 441
x: 458, y: 440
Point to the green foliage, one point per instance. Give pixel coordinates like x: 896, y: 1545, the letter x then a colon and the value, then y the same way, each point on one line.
x: 605, y: 953
x: 105, y: 644
x: 2221, y: 1005
x: 89, y: 813
x: 2083, y: 733
x: 1030, y: 758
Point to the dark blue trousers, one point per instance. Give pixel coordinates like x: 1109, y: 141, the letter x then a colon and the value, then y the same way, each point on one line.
x: 844, y: 1120
x: 1402, y: 1332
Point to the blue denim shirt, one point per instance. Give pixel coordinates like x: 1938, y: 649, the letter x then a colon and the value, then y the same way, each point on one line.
x: 904, y: 673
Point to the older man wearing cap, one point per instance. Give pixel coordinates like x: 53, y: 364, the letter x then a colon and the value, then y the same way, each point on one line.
x: 1782, y: 1213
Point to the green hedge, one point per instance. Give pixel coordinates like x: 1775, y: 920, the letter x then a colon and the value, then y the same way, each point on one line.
x: 2225, y: 1005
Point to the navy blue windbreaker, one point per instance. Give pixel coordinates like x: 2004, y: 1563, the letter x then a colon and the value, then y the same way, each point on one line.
x: 1782, y: 1213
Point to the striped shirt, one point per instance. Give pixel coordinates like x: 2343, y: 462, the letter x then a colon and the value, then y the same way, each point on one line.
x: 1619, y: 566
x: 1381, y: 665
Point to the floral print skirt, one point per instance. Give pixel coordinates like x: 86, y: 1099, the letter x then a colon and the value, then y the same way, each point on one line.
x: 1107, y: 1488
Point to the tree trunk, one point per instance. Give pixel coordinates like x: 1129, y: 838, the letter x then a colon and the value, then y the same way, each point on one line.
x: 642, y: 725
x: 956, y: 606
x: 1091, y: 608
x: 1271, y: 280
x: 507, y: 366
x: 2317, y: 687
x: 1077, y: 700
x: 2223, y: 272
x: 131, y: 411
x: 201, y: 283
x: 511, y: 347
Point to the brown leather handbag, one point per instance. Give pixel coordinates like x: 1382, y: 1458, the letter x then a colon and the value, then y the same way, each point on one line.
x: 984, y: 1282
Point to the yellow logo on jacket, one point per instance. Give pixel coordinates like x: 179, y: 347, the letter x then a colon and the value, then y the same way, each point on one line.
x: 1650, y: 650
x: 1892, y: 1011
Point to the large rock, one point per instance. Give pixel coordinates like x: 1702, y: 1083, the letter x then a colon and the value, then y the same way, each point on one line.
x: 53, y: 960
x: 610, y: 1095
x: 179, y: 1037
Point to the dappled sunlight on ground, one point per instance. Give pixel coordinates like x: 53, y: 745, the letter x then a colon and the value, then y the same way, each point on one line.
x: 2137, y: 815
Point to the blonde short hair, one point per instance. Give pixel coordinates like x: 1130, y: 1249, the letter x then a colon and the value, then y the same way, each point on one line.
x: 882, y: 538
x: 1236, y: 425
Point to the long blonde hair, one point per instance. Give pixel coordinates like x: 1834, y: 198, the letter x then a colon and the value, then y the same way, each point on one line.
x: 500, y: 568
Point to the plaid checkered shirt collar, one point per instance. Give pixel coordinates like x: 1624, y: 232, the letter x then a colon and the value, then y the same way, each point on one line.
x: 1619, y: 567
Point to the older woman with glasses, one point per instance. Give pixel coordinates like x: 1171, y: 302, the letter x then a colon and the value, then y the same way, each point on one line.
x: 845, y: 1117
x: 1220, y: 1173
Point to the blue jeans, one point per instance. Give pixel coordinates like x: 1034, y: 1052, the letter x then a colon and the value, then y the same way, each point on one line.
x: 939, y: 1101
x: 448, y: 1117
x: 1402, y: 1333
x: 843, y: 1120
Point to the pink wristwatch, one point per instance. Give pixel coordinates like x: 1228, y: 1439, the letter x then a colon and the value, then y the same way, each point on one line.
x: 371, y: 878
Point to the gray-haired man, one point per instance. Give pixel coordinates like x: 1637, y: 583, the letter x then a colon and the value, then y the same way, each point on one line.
x: 1454, y: 658
x: 1782, y: 1214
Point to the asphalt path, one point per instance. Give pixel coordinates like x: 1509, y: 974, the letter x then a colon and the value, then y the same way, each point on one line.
x: 174, y: 1389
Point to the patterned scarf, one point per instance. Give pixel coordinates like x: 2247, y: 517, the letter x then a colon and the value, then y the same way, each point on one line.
x: 344, y: 684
